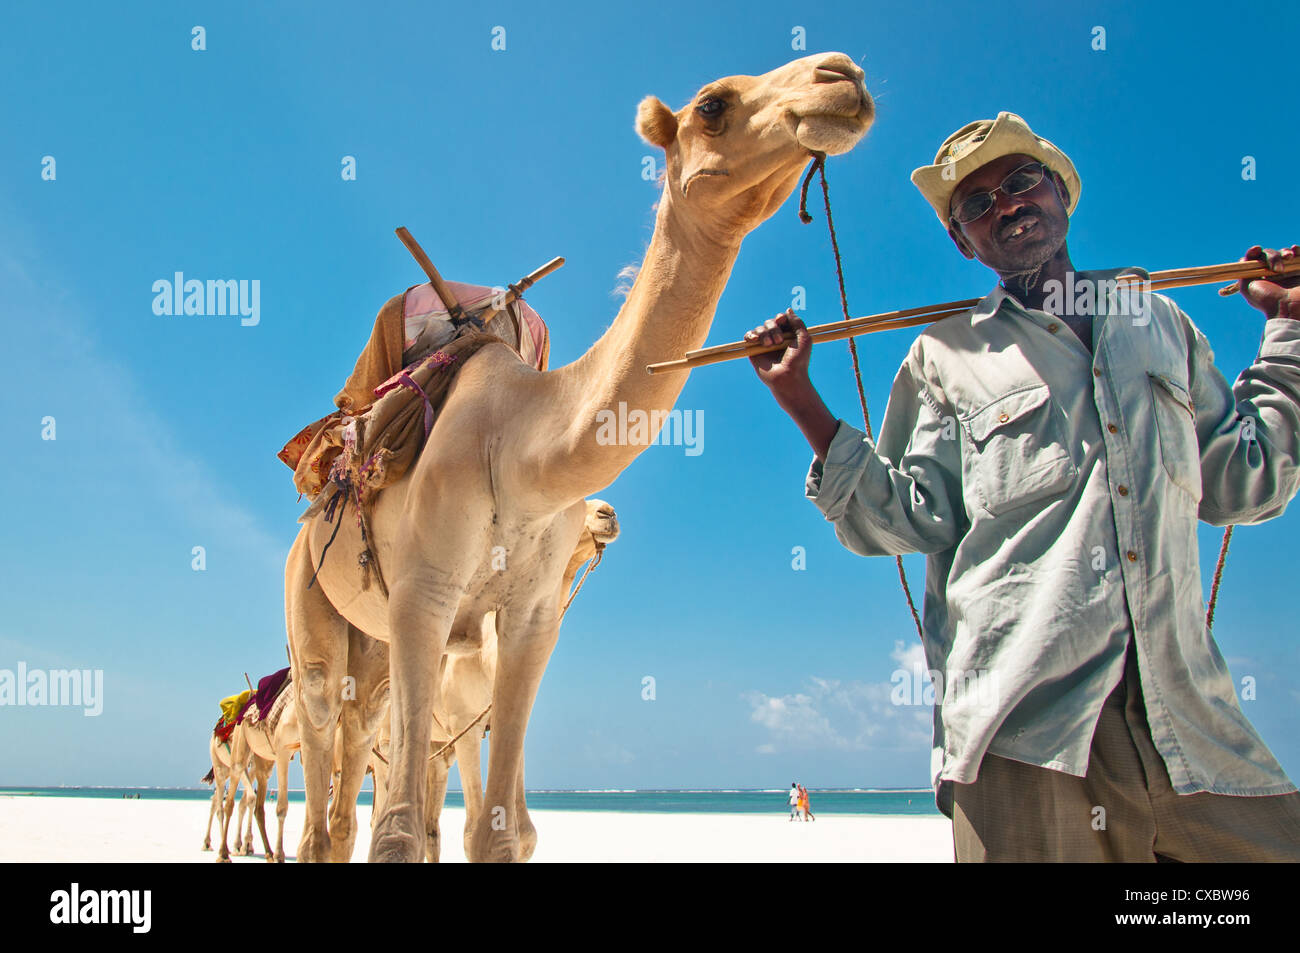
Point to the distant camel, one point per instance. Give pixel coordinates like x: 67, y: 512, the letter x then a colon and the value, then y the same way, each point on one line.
x: 217, y: 776
x: 467, y: 677
x: 268, y: 742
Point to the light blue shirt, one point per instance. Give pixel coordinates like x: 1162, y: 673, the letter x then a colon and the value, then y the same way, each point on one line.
x: 1056, y: 494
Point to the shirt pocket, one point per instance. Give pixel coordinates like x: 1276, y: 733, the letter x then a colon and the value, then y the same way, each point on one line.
x: 1180, y: 450
x: 1019, y: 449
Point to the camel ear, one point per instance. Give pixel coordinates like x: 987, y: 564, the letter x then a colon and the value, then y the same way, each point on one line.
x: 656, y: 123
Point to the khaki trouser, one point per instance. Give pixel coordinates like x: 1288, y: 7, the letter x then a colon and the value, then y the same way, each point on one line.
x: 1021, y: 812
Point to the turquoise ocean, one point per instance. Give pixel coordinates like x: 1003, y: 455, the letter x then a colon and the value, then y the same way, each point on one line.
x: 894, y: 801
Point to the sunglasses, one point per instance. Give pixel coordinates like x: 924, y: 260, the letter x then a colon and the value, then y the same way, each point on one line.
x: 1017, y: 182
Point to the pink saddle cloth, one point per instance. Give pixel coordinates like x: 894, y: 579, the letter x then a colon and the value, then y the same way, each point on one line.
x: 428, y: 327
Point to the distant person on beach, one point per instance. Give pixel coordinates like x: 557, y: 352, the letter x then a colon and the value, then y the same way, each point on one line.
x: 1051, y: 450
x: 794, y: 801
x: 805, y: 804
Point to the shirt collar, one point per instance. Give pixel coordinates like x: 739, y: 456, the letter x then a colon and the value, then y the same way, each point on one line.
x: 992, y: 302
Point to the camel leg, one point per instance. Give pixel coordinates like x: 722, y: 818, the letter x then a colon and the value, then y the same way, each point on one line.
x: 421, y: 614
x: 212, y: 809
x: 523, y: 652
x: 245, y: 818
x: 318, y: 640
x: 368, y: 665
x: 262, y: 778
x: 239, y: 757
x: 281, y: 800
x: 527, y: 832
x: 438, y: 769
x: 241, y: 811
x: 468, y: 754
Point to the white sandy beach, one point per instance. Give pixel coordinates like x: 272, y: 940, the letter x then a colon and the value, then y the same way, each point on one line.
x: 92, y: 830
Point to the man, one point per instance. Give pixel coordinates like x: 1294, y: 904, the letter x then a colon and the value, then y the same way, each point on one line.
x: 794, y: 801
x: 1050, y: 451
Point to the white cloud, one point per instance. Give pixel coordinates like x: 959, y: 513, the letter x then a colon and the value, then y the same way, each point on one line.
x: 910, y: 658
x: 842, y: 715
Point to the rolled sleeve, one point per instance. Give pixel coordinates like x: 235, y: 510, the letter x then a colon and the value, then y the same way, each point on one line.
x: 883, y: 508
x: 830, y: 485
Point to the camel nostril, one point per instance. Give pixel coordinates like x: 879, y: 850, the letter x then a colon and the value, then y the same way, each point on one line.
x: 836, y: 71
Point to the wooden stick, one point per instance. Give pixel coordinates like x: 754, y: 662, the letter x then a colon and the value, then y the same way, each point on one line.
x: 911, y: 317
x: 446, y: 294
x: 523, y: 284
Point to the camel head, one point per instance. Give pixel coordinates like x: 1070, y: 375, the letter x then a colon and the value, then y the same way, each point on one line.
x: 599, y: 529
x: 735, y: 152
x: 602, y: 522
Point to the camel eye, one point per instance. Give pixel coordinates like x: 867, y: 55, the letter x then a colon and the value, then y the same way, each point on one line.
x: 711, y: 108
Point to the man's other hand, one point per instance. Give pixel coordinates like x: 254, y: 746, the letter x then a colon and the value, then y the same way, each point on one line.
x: 1275, y: 297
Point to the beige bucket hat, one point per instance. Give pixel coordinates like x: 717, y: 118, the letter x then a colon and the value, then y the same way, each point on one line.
x: 979, y: 143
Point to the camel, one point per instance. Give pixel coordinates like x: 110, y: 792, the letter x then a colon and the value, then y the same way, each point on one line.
x: 484, y: 519
x: 217, y: 777
x: 467, y: 678
x: 266, y: 748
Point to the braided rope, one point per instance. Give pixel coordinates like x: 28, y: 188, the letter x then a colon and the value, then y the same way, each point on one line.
x: 600, y: 552
x: 1218, y: 578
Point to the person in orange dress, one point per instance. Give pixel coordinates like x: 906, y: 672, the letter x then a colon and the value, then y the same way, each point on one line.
x: 804, y: 804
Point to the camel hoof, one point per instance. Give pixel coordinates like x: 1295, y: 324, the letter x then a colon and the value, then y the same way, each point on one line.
x: 207, y: 846
x: 279, y: 857
x: 498, y: 850
x: 314, y: 848
x: 396, y: 849
x: 224, y: 860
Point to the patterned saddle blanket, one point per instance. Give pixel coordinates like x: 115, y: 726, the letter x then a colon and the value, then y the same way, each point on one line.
x: 412, y: 341
x: 269, y: 688
x: 250, y: 704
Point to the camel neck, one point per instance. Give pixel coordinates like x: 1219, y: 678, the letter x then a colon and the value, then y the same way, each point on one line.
x: 668, y: 311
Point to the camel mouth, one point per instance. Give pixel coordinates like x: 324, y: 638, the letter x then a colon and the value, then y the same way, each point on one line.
x: 832, y: 132
x: 836, y: 116
x: 606, y: 531
x: 698, y: 173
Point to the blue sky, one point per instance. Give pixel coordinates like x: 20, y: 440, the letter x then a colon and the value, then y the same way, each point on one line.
x: 225, y: 163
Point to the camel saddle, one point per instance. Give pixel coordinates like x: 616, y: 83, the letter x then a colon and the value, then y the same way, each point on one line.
x: 387, y: 406
x: 232, y: 712
x: 274, y: 693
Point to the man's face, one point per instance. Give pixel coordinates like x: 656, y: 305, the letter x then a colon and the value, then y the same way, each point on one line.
x: 1020, y: 232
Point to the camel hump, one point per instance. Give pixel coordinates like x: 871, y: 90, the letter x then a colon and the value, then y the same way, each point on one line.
x: 410, y: 329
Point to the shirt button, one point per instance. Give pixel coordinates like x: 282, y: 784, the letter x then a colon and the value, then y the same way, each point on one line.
x: 1096, y: 372
x: 1132, y: 556
x: 1003, y: 418
x: 1123, y: 490
x: 1112, y: 428
x: 1053, y: 328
